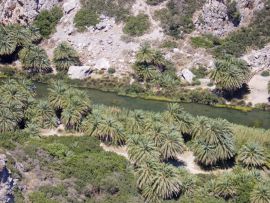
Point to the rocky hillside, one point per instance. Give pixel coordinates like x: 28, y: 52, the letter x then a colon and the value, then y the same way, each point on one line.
x: 191, y: 34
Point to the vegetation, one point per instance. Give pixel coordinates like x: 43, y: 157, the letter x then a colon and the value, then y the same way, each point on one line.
x: 85, y: 18
x: 35, y: 59
x: 176, y: 19
x: 230, y: 73
x: 233, y: 13
x: 154, y: 2
x: 120, y: 9
x: 47, y: 20
x: 153, y: 141
x: 65, y: 56
x: 13, y: 37
x: 137, y: 25
x: 265, y: 73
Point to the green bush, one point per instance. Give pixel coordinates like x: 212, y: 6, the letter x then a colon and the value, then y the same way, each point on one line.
x: 120, y: 9
x: 200, y: 72
x: 85, y: 18
x: 47, y: 20
x: 111, y: 70
x: 265, y: 73
x: 154, y: 2
x: 137, y: 25
x: 57, y: 149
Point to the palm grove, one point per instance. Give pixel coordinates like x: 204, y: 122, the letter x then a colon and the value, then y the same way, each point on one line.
x: 153, y: 141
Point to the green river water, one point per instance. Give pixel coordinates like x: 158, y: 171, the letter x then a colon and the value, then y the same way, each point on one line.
x: 255, y: 118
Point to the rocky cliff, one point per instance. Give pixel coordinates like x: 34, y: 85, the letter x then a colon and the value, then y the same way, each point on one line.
x: 23, y: 11
x: 214, y: 17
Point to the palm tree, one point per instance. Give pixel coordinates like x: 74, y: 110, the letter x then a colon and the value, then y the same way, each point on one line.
x: 65, y: 56
x: 135, y: 122
x: 166, y: 183
x: 156, y: 133
x: 205, y: 153
x: 7, y: 121
x: 261, y: 193
x: 213, y: 141
x: 252, y: 156
x: 179, y: 117
x: 171, y: 145
x: 145, y: 55
x: 110, y: 130
x: 145, y: 173
x: 230, y: 73
x: 225, y: 187
x: 43, y: 115
x: 21, y: 34
x: 35, y: 59
x: 57, y: 94
x: 142, y: 149
x: 8, y: 42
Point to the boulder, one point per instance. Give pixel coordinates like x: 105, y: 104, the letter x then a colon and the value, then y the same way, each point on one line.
x: 79, y: 72
x: 187, y: 75
x: 102, y: 64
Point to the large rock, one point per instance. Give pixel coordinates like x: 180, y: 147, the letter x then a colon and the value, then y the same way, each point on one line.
x: 23, y: 11
x: 79, y: 72
x: 187, y: 75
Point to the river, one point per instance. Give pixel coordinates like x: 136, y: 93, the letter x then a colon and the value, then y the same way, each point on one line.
x: 255, y: 118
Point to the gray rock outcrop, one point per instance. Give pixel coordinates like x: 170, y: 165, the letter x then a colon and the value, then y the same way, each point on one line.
x: 258, y: 59
x: 23, y: 11
x: 214, y: 19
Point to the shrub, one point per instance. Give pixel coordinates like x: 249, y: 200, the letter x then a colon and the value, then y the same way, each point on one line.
x: 120, y: 9
x: 168, y: 44
x: 111, y: 70
x: 47, y: 20
x: 265, y: 73
x: 57, y: 149
x: 233, y: 13
x: 85, y: 18
x: 200, y: 72
x: 154, y: 2
x: 137, y: 25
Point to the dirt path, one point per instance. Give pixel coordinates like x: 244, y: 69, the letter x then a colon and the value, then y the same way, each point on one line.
x: 187, y: 158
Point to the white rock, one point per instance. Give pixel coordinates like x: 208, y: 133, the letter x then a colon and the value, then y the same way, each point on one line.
x: 102, y: 64
x: 79, y: 72
x: 187, y: 75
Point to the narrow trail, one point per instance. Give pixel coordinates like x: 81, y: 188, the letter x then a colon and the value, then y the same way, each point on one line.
x: 186, y: 160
